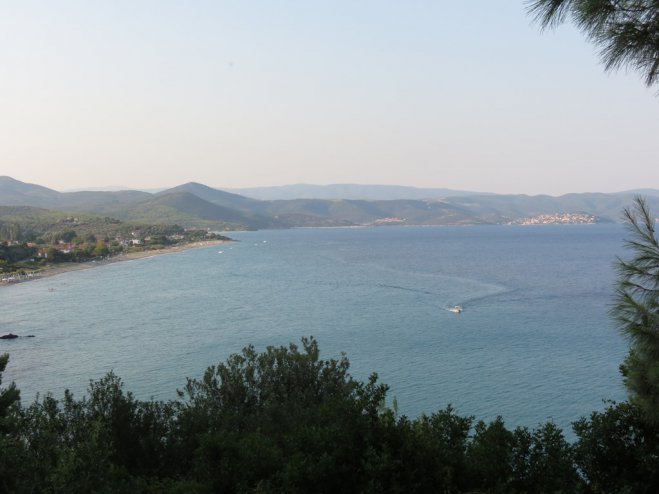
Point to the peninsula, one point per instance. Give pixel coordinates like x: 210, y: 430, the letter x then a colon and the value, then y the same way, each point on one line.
x: 37, y: 242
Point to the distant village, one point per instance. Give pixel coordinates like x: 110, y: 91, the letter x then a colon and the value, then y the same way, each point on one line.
x: 106, y: 246
x: 541, y: 219
x: 557, y: 219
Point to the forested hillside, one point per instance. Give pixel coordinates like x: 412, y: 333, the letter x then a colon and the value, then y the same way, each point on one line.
x: 199, y: 206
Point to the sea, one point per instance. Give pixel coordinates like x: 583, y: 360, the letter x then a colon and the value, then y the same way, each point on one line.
x: 534, y: 343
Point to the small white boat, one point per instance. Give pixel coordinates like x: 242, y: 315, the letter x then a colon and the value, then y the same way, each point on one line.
x: 456, y: 308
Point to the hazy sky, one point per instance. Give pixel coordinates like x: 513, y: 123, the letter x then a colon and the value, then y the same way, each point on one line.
x: 465, y: 95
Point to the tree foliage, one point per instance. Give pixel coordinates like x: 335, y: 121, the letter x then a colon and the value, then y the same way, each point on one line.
x: 8, y: 396
x: 636, y: 308
x: 285, y: 420
x: 625, y: 31
x: 618, y: 451
x: 10, y: 444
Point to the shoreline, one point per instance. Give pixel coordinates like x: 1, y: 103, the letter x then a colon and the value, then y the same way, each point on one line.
x: 57, y: 269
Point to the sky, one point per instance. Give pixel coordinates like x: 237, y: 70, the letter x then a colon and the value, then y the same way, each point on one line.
x: 427, y: 93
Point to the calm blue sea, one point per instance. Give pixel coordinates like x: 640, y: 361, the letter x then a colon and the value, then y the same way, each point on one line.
x: 534, y: 342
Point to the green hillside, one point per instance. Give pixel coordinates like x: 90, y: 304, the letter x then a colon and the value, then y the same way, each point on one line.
x: 27, y: 224
x: 194, y: 205
x: 24, y: 223
x: 34, y: 238
x: 187, y: 209
x: 317, y: 212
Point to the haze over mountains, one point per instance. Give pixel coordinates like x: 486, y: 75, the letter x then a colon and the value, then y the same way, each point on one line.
x: 197, y: 205
x: 347, y: 191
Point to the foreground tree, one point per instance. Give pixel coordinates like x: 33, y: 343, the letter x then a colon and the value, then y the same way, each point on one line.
x: 636, y: 309
x: 10, y: 445
x: 625, y: 31
x: 618, y: 451
x: 285, y: 420
x: 280, y: 421
x: 8, y: 396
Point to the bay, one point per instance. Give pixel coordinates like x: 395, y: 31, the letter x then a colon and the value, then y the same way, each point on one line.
x: 534, y: 343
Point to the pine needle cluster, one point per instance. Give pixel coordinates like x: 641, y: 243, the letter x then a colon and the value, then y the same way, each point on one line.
x: 636, y: 308
x: 626, y: 32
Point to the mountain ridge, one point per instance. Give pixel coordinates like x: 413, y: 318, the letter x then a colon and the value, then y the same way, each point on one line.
x: 366, y: 192
x: 197, y: 205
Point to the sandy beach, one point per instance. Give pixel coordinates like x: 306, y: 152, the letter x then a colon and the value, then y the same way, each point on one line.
x: 130, y: 256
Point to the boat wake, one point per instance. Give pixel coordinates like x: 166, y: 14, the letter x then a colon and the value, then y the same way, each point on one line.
x: 396, y: 287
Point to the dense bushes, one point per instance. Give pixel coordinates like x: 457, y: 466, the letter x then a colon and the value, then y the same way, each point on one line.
x: 287, y: 421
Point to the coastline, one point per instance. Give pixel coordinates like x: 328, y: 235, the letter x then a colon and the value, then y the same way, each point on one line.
x: 130, y: 256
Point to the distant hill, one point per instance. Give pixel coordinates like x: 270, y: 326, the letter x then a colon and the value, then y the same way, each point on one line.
x: 199, y: 206
x: 502, y: 208
x: 16, y: 193
x: 642, y: 192
x: 318, y: 212
x: 346, y: 191
x: 37, y: 222
x: 186, y: 208
x: 216, y: 196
